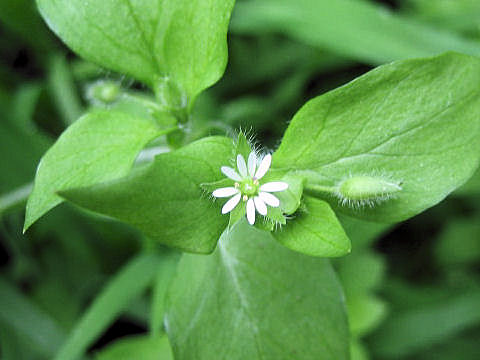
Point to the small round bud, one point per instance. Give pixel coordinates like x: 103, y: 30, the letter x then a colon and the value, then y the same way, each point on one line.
x: 104, y: 91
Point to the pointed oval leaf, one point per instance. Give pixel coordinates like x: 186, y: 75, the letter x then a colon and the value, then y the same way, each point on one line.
x: 413, y: 122
x: 254, y: 299
x: 165, y: 199
x: 99, y: 146
x: 380, y: 36
x: 180, y: 40
x: 315, y: 231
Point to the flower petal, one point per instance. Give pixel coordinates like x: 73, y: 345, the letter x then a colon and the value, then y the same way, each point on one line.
x: 225, y: 192
x: 230, y: 204
x: 260, y: 206
x: 264, y: 166
x: 274, y: 186
x: 241, y: 165
x: 252, y: 163
x: 269, y: 199
x: 230, y: 173
x: 251, y: 211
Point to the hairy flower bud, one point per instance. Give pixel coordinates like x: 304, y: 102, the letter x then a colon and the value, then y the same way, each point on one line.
x: 360, y: 190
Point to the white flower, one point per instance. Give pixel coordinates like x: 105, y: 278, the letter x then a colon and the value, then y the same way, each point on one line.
x: 247, y: 187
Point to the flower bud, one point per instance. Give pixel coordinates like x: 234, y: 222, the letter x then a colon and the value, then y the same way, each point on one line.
x: 366, y: 190
x: 104, y: 91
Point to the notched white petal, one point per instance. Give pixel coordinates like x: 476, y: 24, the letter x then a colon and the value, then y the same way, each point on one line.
x: 252, y: 164
x: 230, y: 204
x: 225, y: 192
x: 264, y: 166
x: 274, y: 186
x: 269, y: 199
x: 251, y: 211
x: 230, y: 173
x: 241, y: 166
x: 260, y: 206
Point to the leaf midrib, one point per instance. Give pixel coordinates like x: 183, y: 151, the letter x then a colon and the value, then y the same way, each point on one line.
x: 229, y: 263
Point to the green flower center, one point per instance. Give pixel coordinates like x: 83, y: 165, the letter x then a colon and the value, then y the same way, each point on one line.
x: 249, y: 187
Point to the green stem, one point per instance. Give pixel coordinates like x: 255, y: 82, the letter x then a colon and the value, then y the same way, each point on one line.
x: 142, y: 100
x: 320, y: 188
x: 179, y: 114
x: 15, y: 198
x: 63, y: 89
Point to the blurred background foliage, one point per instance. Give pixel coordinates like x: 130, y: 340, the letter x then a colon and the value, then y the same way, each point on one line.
x: 412, y: 290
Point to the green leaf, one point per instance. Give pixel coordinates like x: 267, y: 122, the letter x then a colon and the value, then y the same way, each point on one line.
x: 358, y: 350
x: 55, y: 296
x: 369, y: 33
x: 164, y: 277
x: 412, y: 123
x: 129, y: 283
x: 14, y: 347
x: 242, y: 147
x: 153, y: 41
x: 28, y: 321
x: 458, y: 243
x: 361, y: 272
x: 290, y: 199
x: 165, y: 199
x: 137, y: 347
x: 362, y: 233
x: 63, y: 90
x: 403, y: 295
x: 458, y: 15
x: 254, y: 299
x: 463, y: 347
x: 410, y: 331
x: 15, y: 199
x: 99, y: 146
x: 195, y: 42
x: 471, y: 187
x: 237, y: 214
x: 365, y: 313
x: 21, y: 146
x: 24, y: 105
x: 21, y: 17
x: 315, y: 231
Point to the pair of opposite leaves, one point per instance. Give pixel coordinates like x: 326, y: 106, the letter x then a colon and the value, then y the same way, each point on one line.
x: 413, y: 121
